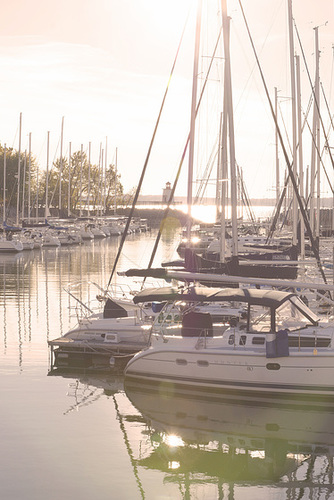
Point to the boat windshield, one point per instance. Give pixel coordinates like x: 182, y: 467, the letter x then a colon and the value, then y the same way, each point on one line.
x: 260, y: 319
x: 293, y: 314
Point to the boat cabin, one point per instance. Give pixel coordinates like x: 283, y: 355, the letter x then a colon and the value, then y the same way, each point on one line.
x: 273, y: 318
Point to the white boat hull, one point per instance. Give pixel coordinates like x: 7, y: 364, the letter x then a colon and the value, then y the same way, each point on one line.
x: 10, y: 246
x: 310, y: 373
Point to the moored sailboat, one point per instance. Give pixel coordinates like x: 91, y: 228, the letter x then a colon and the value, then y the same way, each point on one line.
x: 280, y: 347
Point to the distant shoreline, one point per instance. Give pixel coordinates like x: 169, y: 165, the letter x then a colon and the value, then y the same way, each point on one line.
x: 268, y: 202
x: 154, y: 216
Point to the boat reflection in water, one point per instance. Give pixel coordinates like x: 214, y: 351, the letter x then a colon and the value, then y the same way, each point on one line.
x: 83, y: 386
x: 228, y: 443
x: 213, y: 447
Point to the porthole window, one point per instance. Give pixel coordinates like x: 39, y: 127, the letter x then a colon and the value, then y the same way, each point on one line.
x: 258, y: 340
x: 242, y: 340
x: 231, y: 339
x: 181, y: 362
x: 273, y: 366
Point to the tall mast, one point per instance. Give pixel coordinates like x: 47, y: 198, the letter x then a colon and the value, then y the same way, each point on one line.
x: 97, y: 198
x: 278, y: 187
x: 294, y: 125
x: 224, y: 187
x: 61, y: 162
x: 317, y: 136
x: 24, y: 182
x: 105, y: 178
x: 4, y: 184
x: 69, y: 180
x: 47, y: 178
x: 88, y: 196
x: 81, y: 161
x: 18, y: 173
x: 101, y: 182
x: 224, y: 161
x: 219, y: 172
x: 115, y: 201
x: 29, y: 186
x: 193, y: 116
x: 37, y: 189
x: 230, y: 121
x: 300, y: 157
x: 315, y: 130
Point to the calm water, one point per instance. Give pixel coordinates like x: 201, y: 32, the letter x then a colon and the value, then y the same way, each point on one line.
x: 89, y: 437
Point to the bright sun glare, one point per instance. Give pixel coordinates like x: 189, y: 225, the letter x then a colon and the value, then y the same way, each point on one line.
x: 173, y: 441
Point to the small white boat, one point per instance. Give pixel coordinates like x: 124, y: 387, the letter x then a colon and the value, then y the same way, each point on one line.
x: 103, y: 340
x: 51, y: 241
x: 114, y: 229
x: 67, y: 237
x: 86, y: 233
x: 26, y: 240
x: 97, y: 231
x: 34, y: 236
x: 75, y: 236
x: 10, y: 245
x: 109, y: 338
x: 279, y: 347
x: 105, y: 228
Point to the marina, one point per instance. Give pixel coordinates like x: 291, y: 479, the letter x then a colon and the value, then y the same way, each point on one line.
x: 93, y: 432
x: 176, y: 345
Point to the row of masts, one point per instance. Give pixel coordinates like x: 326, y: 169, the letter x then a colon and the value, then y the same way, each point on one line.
x: 226, y: 141
x: 309, y: 185
x: 25, y: 209
x: 303, y: 197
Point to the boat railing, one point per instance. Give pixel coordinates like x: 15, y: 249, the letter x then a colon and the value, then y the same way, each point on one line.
x: 169, y: 315
x: 124, y: 290
x: 202, y: 338
x: 84, y: 307
x: 90, y: 297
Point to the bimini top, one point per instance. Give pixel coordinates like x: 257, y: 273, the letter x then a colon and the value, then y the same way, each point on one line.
x: 252, y: 296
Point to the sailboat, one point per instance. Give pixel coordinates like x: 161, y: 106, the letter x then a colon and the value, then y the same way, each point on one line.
x: 278, y: 347
x: 7, y: 243
x: 247, y: 264
x: 265, y: 263
x: 99, y: 339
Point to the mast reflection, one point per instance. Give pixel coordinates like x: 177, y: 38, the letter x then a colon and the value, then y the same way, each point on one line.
x: 228, y: 442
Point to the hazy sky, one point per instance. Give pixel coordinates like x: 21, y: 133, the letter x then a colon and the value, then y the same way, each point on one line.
x: 103, y: 65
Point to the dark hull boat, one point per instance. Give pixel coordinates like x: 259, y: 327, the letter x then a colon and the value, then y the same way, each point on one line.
x: 247, y: 265
x: 260, y: 252
x: 194, y: 263
x: 238, y: 267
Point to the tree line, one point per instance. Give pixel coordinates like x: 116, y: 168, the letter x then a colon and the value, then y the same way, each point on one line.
x: 72, y: 185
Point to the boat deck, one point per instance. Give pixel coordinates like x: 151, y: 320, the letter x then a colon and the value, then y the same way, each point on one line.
x: 67, y: 353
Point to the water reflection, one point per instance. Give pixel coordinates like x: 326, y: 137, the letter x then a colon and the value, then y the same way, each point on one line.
x: 200, y: 441
x: 214, y: 447
x: 34, y: 305
x: 84, y: 390
x: 141, y: 442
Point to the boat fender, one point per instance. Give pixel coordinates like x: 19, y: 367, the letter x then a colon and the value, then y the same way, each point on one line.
x: 277, y: 344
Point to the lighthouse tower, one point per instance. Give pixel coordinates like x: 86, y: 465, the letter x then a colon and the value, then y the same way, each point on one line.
x: 166, y: 193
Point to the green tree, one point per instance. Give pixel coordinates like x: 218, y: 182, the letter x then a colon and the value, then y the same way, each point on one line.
x: 83, y: 186
x: 26, y: 172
